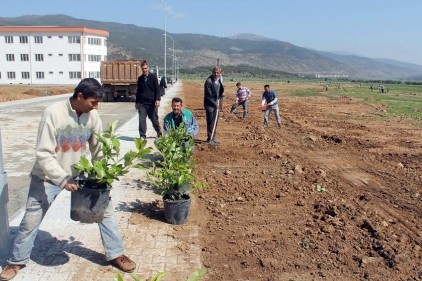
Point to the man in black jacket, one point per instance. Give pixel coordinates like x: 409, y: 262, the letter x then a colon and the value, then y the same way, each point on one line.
x: 148, y: 99
x: 213, y: 91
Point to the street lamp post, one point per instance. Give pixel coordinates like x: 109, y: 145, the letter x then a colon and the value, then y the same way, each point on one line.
x: 165, y: 38
x: 173, y: 64
x: 176, y: 67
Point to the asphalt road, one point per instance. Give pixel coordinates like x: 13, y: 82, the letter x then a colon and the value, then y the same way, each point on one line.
x: 18, y: 127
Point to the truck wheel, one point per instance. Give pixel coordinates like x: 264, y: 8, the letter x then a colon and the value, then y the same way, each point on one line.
x: 110, y: 97
x: 105, y: 97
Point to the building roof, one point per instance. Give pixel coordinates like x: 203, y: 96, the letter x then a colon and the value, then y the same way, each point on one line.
x: 54, y: 29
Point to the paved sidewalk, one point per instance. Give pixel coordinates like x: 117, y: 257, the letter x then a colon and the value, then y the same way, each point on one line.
x: 68, y: 250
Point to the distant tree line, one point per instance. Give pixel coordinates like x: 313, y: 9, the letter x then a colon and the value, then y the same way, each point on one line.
x: 240, y: 72
x: 388, y: 82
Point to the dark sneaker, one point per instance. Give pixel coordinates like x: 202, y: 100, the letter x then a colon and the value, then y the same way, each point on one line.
x: 10, y: 271
x: 159, y: 134
x: 216, y: 141
x: 124, y: 263
x: 279, y: 125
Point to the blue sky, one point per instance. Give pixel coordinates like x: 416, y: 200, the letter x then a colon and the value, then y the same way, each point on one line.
x: 372, y: 28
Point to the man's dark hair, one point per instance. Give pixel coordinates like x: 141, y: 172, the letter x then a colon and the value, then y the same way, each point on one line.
x: 266, y: 86
x: 90, y: 88
x: 144, y: 63
x: 177, y: 99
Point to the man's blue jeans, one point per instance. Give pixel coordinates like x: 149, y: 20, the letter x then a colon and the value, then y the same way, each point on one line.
x: 268, y: 110
x: 245, y: 107
x: 41, y: 196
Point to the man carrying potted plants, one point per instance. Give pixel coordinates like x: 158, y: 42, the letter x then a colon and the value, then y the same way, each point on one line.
x: 64, y: 131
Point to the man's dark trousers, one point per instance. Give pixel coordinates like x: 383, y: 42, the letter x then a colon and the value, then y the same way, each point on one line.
x: 211, y: 115
x: 151, y: 111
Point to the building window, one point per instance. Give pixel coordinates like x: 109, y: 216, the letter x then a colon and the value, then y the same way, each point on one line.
x: 24, y: 57
x: 49, y: 37
x: 60, y: 37
x: 105, y: 42
x: 23, y: 39
x: 94, y: 74
x: 11, y: 75
x: 10, y: 57
x: 8, y: 39
x: 75, y: 75
x: 60, y: 55
x: 74, y: 39
x: 38, y: 39
x: 74, y: 57
x: 94, y: 58
x: 50, y: 55
x: 25, y: 75
x: 39, y: 75
x: 39, y: 57
x: 61, y: 72
x: 94, y: 41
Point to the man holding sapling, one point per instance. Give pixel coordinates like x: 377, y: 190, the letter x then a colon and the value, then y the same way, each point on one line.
x: 65, y: 130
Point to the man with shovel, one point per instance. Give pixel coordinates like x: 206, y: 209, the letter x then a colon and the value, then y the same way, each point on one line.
x: 242, y: 96
x: 213, y: 91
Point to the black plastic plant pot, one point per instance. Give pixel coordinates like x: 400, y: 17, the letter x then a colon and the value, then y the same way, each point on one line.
x: 87, y: 204
x: 177, y: 211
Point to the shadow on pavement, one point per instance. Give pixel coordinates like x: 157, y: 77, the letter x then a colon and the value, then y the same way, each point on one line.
x: 50, y: 251
x: 151, y: 210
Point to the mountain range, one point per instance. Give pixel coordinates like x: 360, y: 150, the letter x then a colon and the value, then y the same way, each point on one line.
x: 128, y: 41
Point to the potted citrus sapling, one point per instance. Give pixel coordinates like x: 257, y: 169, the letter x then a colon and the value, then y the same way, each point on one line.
x: 173, y: 175
x: 89, y: 202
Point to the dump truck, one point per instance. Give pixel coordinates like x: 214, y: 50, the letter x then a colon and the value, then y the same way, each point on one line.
x: 119, y: 79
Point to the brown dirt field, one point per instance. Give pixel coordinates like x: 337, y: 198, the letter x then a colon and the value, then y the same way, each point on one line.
x: 261, y: 216
x: 19, y: 92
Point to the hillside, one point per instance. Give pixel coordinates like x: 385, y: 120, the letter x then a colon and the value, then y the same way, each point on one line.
x: 128, y: 41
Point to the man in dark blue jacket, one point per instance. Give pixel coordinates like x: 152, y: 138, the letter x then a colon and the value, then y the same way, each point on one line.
x: 148, y: 99
x: 213, y: 91
x: 270, y: 103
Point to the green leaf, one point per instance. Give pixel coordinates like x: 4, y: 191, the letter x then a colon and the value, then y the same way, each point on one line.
x: 198, y: 274
x: 118, y: 277
x: 159, y: 276
x: 137, y: 277
x: 112, y: 166
x: 320, y: 188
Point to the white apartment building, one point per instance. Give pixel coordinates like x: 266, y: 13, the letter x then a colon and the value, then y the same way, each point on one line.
x: 50, y: 54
